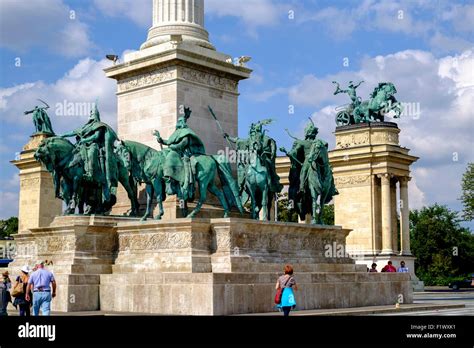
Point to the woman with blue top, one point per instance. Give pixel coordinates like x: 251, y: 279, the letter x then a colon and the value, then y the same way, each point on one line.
x: 287, y: 282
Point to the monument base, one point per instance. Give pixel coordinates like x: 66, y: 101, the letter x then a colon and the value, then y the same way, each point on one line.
x: 80, y: 249
x: 381, y: 261
x: 201, y: 266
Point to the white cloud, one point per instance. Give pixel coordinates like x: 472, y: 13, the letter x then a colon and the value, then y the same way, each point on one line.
x: 424, y: 19
x: 138, y: 11
x: 266, y: 95
x: 442, y: 134
x: 27, y: 25
x: 84, y: 83
x: 8, y: 204
x: 253, y: 13
x: 7, y: 92
x: 417, y: 199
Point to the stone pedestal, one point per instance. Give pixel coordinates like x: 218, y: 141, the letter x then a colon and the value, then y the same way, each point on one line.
x: 200, y: 266
x: 80, y: 248
x: 37, y: 203
x: 230, y: 266
x: 368, y: 163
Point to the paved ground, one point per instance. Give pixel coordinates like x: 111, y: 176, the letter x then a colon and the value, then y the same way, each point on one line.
x: 443, y: 296
x: 434, y: 301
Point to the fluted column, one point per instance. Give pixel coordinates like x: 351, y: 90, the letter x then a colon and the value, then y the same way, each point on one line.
x: 393, y: 204
x: 404, y: 216
x: 183, y: 18
x: 386, y: 215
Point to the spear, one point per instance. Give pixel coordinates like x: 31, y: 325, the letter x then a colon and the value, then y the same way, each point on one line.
x: 220, y: 127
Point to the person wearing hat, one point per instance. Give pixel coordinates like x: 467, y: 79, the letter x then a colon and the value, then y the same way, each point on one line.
x: 20, y: 300
x: 5, y: 297
x: 43, y: 286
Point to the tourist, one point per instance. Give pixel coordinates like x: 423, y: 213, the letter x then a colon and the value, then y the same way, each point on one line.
x: 402, y: 268
x: 5, y: 297
x: 389, y: 267
x: 6, y: 280
x: 20, y: 300
x: 43, y: 286
x: 373, y: 268
x: 287, y: 282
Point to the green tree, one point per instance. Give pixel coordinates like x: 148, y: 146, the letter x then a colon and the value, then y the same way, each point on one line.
x: 444, y: 249
x: 285, y: 212
x: 467, y: 197
x: 8, y: 227
x: 328, y: 214
x: 288, y: 214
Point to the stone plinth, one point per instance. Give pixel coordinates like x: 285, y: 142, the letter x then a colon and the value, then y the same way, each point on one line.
x: 81, y: 248
x: 37, y: 203
x: 240, y: 293
x: 230, y: 266
x: 200, y: 266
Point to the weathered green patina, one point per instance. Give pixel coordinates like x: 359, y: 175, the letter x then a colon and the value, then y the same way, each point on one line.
x: 311, y: 179
x: 186, y: 165
x: 41, y: 119
x: 146, y: 167
x: 256, y: 169
x: 87, y: 173
x: 380, y: 103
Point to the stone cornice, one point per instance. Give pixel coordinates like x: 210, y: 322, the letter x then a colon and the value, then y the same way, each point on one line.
x: 173, y: 56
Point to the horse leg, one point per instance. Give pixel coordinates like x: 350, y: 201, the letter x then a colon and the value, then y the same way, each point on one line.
x: 314, y: 200
x: 253, y: 203
x: 149, y: 199
x: 265, y: 203
x: 128, y: 184
x: 321, y: 208
x: 159, y: 197
x: 202, y: 198
x: 131, y: 188
x: 215, y: 191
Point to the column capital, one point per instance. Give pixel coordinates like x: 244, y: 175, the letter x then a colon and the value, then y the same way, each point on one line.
x: 404, y: 180
x: 385, y: 176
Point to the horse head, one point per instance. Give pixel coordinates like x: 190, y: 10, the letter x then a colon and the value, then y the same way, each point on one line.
x: 52, y: 151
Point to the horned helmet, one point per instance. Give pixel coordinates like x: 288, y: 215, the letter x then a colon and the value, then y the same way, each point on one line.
x: 182, y: 121
x: 311, y: 130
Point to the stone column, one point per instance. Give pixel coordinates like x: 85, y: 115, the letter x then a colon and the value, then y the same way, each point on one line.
x: 178, y: 20
x: 393, y: 200
x: 404, y: 216
x: 386, y: 215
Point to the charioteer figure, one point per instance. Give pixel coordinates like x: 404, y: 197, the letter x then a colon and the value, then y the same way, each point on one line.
x: 351, y: 92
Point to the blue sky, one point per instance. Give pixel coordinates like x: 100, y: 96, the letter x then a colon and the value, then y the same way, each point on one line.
x: 297, y: 48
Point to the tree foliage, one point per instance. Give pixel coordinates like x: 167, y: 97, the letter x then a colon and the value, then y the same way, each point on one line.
x: 443, y: 248
x: 8, y: 227
x: 285, y: 212
x: 467, y: 197
x: 288, y: 214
